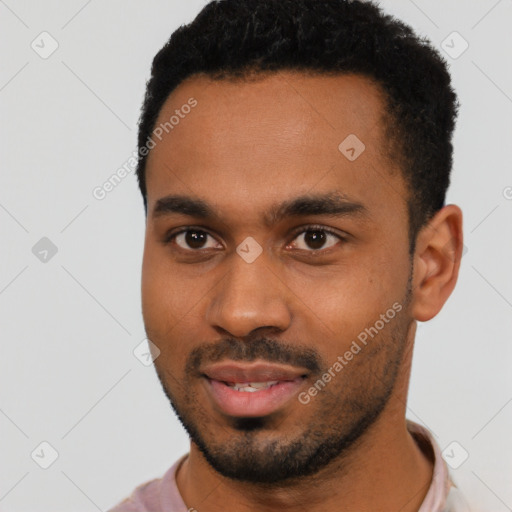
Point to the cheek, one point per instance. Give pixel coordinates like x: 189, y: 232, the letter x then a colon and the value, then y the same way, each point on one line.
x: 347, y: 301
x: 346, y: 297
x: 162, y: 285
x: 162, y: 295
x: 161, y: 320
x: 171, y: 309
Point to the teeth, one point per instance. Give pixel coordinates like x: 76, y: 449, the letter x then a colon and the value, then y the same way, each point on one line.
x: 263, y: 385
x: 251, y: 387
x: 246, y: 388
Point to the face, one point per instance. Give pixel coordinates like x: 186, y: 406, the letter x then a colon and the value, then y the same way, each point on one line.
x: 274, y: 256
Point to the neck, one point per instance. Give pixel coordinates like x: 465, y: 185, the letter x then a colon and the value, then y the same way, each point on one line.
x: 384, y: 470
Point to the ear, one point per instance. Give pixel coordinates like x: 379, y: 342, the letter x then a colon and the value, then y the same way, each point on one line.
x: 437, y: 258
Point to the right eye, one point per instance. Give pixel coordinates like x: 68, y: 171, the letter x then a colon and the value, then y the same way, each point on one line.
x: 191, y: 239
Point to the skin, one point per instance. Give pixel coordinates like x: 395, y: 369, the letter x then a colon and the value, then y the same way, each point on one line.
x: 245, y: 147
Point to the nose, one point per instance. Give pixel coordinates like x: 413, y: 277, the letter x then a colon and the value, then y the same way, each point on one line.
x: 250, y: 296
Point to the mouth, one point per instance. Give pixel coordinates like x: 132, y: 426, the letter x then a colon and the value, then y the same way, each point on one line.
x: 255, y: 390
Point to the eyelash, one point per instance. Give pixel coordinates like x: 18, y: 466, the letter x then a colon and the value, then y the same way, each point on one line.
x: 172, y: 235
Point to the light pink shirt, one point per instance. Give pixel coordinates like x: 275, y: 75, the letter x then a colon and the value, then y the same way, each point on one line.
x: 162, y: 494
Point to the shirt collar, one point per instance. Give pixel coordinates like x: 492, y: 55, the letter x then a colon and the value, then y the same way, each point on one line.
x: 435, y: 499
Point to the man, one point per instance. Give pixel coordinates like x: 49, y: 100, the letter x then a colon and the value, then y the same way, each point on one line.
x: 294, y: 157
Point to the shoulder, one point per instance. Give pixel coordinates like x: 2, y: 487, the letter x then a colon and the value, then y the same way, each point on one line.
x: 155, y: 495
x: 455, y: 501
x: 145, y: 498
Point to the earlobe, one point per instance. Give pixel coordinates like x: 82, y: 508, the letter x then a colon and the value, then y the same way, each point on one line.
x: 436, y: 262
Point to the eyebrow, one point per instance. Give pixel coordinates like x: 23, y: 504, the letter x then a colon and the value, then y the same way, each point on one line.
x: 331, y: 204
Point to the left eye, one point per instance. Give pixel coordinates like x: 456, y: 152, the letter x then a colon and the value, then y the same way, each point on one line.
x: 316, y: 238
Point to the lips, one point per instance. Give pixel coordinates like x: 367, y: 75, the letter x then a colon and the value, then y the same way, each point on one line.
x: 254, y: 372
x: 250, y: 390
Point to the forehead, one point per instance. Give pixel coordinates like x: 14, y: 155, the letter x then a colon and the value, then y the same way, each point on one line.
x: 272, y: 107
x: 270, y: 135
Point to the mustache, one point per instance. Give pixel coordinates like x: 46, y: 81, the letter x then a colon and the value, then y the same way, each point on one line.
x: 264, y: 348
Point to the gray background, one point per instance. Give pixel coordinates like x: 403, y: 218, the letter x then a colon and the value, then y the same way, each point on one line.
x: 69, y: 324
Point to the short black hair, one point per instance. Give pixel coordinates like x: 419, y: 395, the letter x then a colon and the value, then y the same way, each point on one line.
x: 239, y: 38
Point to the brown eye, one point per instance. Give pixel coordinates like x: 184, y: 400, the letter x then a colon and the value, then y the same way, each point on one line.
x: 314, y: 239
x: 193, y: 239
